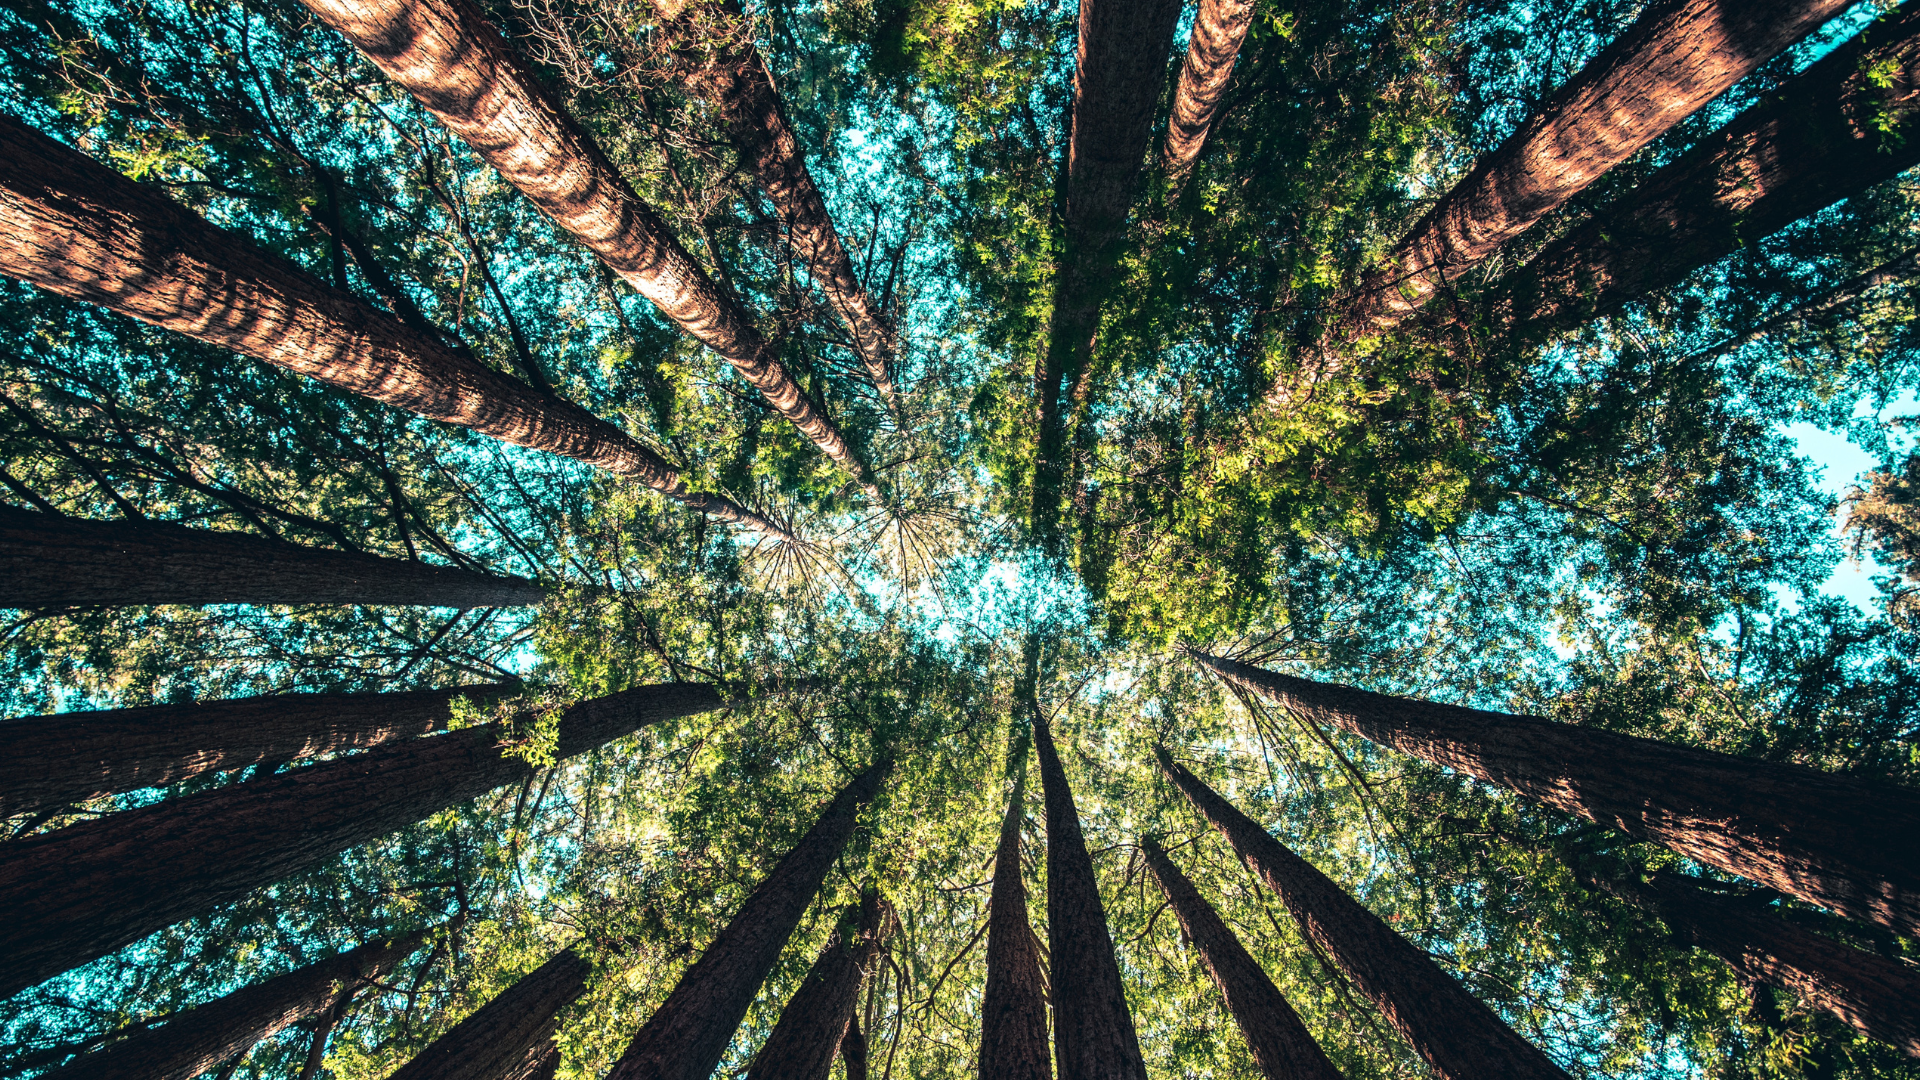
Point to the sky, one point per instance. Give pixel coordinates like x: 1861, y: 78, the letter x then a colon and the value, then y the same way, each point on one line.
x: 1840, y: 463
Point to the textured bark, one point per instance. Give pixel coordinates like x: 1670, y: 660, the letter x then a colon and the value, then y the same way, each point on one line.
x: 75, y: 227
x: 1846, y: 123
x: 689, y: 1033
x: 853, y: 1051
x: 78, y: 893
x: 1013, y: 1012
x: 1796, y: 830
x: 510, y: 1037
x: 1093, y: 1035
x: 465, y: 72
x: 813, y: 1024
x: 1280, y: 1043
x: 1219, y: 27
x: 199, y: 1039
x: 70, y: 757
x: 1456, y: 1033
x: 1678, y: 56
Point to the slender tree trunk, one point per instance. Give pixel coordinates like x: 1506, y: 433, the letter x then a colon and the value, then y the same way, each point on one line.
x: 323, y: 1026
x: 199, y: 1039
x: 76, y: 894
x: 1219, y: 28
x: 76, y: 228
x: 1455, y: 1032
x: 1793, y: 829
x: 1013, y: 1013
x: 71, y: 757
x: 1093, y: 1036
x: 465, y: 72
x: 1843, y: 125
x: 853, y: 1050
x: 1280, y: 1043
x: 814, y: 1024
x: 510, y: 1037
x: 688, y: 1034
x: 1678, y: 56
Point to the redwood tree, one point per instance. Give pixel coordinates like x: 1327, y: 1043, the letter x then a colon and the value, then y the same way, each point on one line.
x: 1013, y: 1009
x: 510, y: 1037
x: 816, y: 1021
x: 1219, y: 28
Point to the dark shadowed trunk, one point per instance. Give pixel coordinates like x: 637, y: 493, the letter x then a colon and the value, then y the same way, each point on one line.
x: 1679, y: 55
x: 689, y: 1033
x: 1013, y: 1012
x: 1793, y: 829
x: 79, y: 893
x: 199, y: 1039
x: 1093, y: 1036
x: 1219, y: 28
x: 1452, y: 1030
x: 1280, y: 1043
x: 75, y: 227
x: 70, y: 757
x: 510, y: 1037
x: 814, y: 1023
x: 853, y: 1050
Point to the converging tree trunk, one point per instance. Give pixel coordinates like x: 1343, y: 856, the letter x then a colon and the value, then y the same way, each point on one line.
x: 79, y: 229
x: 1678, y: 56
x: 464, y: 71
x: 71, y: 757
x: 197, y: 1040
x: 78, y: 893
x: 510, y: 1037
x: 1280, y: 1043
x: 1093, y: 1035
x: 688, y: 1034
x: 815, y: 1022
x: 1452, y: 1030
x: 1793, y: 829
x: 1219, y: 28
x: 1013, y: 1011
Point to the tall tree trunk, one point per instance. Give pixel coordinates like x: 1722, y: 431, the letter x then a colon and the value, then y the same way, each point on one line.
x: 815, y: 1022
x: 199, y: 1039
x: 1093, y: 1036
x: 1219, y: 28
x: 1455, y: 1032
x: 1678, y: 56
x: 1791, y: 828
x: 510, y: 1037
x: 78, y: 893
x: 71, y: 757
x: 1120, y: 62
x: 49, y: 561
x: 464, y: 71
x: 76, y: 228
x: 688, y: 1034
x: 1281, y: 1044
x: 1013, y: 1012
x: 1845, y: 124
x: 853, y: 1051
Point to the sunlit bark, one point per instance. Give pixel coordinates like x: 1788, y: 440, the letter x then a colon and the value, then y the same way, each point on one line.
x: 1219, y: 28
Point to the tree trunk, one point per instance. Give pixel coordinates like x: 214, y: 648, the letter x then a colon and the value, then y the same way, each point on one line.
x: 815, y: 1022
x: 510, y: 1037
x: 76, y: 228
x: 1455, y: 1032
x: 1093, y: 1036
x: 1219, y: 28
x: 1678, y: 56
x: 71, y: 757
x: 1843, y: 125
x: 853, y: 1051
x: 465, y: 72
x: 1013, y: 1013
x: 1280, y: 1043
x: 199, y: 1039
x: 1794, y: 829
x: 76, y: 894
x: 689, y: 1033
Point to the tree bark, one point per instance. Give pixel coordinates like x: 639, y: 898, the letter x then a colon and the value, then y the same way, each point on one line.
x: 71, y: 757
x: 1678, y: 56
x: 1219, y: 28
x: 1013, y: 1012
x: 1455, y: 1032
x: 815, y: 1022
x: 689, y: 1033
x: 853, y: 1051
x: 1281, y: 1045
x: 76, y: 894
x: 510, y: 1037
x: 1794, y: 829
x: 1093, y: 1035
x: 76, y: 228
x: 464, y: 71
x: 199, y: 1039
